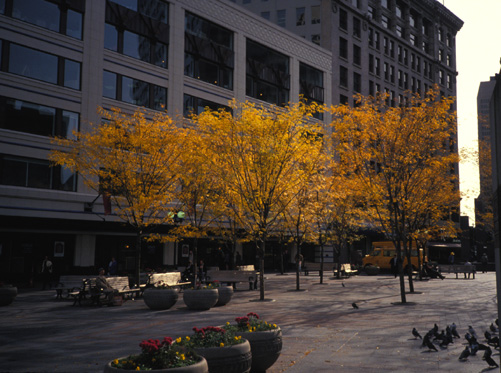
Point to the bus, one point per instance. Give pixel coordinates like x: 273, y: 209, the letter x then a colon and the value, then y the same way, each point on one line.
x: 383, y: 251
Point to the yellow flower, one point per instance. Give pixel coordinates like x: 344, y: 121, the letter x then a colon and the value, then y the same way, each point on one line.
x: 221, y: 344
x: 153, y: 360
x: 254, y: 329
x: 178, y: 340
x: 183, y: 357
x: 227, y: 323
x: 137, y: 368
x: 115, y: 362
x: 187, y: 338
x: 274, y: 325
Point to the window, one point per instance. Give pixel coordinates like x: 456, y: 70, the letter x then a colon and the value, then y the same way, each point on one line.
x: 385, y: 21
x: 357, y: 55
x: 300, y: 16
x: 371, y: 88
x: 28, y: 117
x: 376, y: 40
x: 449, y: 40
x: 386, y: 70
x: 405, y: 57
x: 208, y: 53
x: 371, y: 63
x: 412, y: 39
x: 449, y: 81
x: 42, y: 66
x: 412, y: 19
x: 343, y: 48
x: 377, y: 66
x: 399, y: 30
x: 315, y: 14
x: 311, y: 85
x: 386, y: 45
x: 371, y: 11
x: 392, y: 73
x: 357, y: 82
x: 265, y: 15
x: 449, y: 60
x: 418, y: 64
x: 343, y: 76
x: 67, y: 20
x: 134, y: 91
x: 398, y: 10
x: 343, y: 100
x: 267, y: 74
x: 196, y: 105
x: 357, y: 27
x: 384, y: 3
x: 315, y: 39
x: 343, y: 19
x: 144, y: 37
x: 281, y: 17
x: 35, y: 173
x: 371, y: 37
x: 355, y: 3
x: 392, y: 49
x: 400, y: 53
x: 441, y: 77
x: 400, y: 78
x: 441, y: 55
x: 406, y: 81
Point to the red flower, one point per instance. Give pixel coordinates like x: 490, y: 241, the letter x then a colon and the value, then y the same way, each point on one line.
x: 252, y: 314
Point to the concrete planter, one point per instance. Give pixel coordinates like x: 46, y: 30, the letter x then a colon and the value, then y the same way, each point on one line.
x: 200, y: 299
x: 225, y: 295
x: 199, y: 367
x: 160, y: 299
x: 228, y: 359
x: 266, y: 347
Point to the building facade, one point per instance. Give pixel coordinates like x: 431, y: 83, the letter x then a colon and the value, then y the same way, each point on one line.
x: 62, y: 59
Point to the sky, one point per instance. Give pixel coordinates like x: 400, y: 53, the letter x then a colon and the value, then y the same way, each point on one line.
x: 478, y: 52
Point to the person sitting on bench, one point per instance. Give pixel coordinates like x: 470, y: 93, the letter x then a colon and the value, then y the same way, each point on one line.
x: 104, y: 285
x: 432, y: 272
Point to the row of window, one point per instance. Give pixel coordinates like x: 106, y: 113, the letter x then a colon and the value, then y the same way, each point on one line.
x: 301, y: 16
x: 65, y: 17
x: 35, y: 173
x: 35, y: 64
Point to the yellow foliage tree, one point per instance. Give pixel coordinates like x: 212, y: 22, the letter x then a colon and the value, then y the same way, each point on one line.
x: 134, y: 160
x: 261, y: 156
x: 400, y: 157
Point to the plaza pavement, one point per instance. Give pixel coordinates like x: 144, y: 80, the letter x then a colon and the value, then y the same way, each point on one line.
x: 322, y: 332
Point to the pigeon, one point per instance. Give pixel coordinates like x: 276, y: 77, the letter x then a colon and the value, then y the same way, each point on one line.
x: 342, y: 284
x: 464, y: 355
x: 482, y: 347
x: 354, y: 305
x: 493, y: 328
x: 474, y: 349
x: 454, y: 331
x: 472, y: 331
x: 416, y: 334
x: 494, y: 341
x: 430, y: 345
x: 487, y: 335
x: 487, y: 357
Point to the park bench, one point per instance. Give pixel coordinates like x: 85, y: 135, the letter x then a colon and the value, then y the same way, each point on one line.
x: 69, y: 286
x: 315, y: 267
x: 233, y: 277
x: 172, y: 279
x: 99, y: 296
x: 466, y: 269
x: 345, y: 270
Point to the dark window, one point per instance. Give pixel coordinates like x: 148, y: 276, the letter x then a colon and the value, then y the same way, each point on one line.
x: 208, y: 51
x: 371, y: 88
x: 357, y: 28
x: 23, y: 116
x: 315, y: 14
x: 357, y: 82
x: 357, y: 55
x: 343, y: 76
x: 281, y: 17
x: 343, y: 19
x: 311, y: 85
x: 385, y: 21
x: 300, y: 16
x: 196, y: 105
x: 371, y: 37
x: 371, y: 63
x: 155, y: 9
x: 399, y: 31
x: 43, y: 66
x: 268, y: 76
x: 35, y: 173
x: 67, y: 19
x: 134, y: 91
x: 343, y: 100
x: 343, y: 48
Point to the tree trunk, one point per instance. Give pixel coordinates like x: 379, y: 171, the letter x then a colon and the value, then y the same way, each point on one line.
x: 409, y: 271
x: 261, y: 270
x: 138, y: 257
x: 298, y: 285
x: 195, y: 252
x: 321, y: 263
x: 401, y: 275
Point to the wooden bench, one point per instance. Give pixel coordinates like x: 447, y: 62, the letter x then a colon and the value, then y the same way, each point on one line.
x: 99, y: 296
x: 171, y: 279
x: 234, y: 277
x: 315, y: 267
x: 467, y: 269
x: 69, y: 285
x: 346, y: 270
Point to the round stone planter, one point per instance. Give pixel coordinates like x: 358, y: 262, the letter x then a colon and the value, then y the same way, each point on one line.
x: 229, y: 359
x: 200, y: 299
x: 7, y: 294
x: 160, y: 299
x: 266, y: 347
x: 199, y: 367
x: 225, y: 295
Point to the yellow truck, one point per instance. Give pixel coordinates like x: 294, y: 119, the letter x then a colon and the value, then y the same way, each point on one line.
x: 383, y: 252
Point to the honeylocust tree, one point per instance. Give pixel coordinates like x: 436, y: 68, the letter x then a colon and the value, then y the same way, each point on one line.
x: 397, y: 155
x: 262, y: 157
x: 134, y: 161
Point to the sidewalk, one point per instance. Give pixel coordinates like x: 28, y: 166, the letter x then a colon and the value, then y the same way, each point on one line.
x: 322, y: 332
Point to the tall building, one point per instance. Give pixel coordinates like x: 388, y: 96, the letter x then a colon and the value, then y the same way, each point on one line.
x: 62, y: 59
x: 377, y: 45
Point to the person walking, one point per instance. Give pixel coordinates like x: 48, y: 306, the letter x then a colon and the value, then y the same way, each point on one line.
x: 47, y: 268
x: 484, y: 259
x: 113, y: 267
x: 450, y: 260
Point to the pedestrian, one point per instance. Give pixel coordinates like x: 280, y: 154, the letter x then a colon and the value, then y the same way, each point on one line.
x: 299, y: 261
x: 394, y: 266
x: 450, y: 260
x: 47, y: 269
x: 112, y: 267
x: 202, y: 271
x: 484, y: 260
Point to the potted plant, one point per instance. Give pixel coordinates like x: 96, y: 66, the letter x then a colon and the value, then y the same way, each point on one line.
x: 164, y: 356
x: 265, y: 339
x: 201, y: 297
x: 160, y: 296
x: 7, y: 294
x: 224, y: 350
x: 225, y: 293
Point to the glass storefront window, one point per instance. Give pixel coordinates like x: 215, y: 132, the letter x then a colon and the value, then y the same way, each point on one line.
x: 110, y: 85
x: 136, y: 46
x: 160, y: 56
x: 40, y: 13
x: 110, y: 37
x: 33, y: 64
x: 74, y: 24
x: 71, y: 74
x: 159, y: 98
x: 28, y: 117
x: 69, y: 124
x: 135, y: 91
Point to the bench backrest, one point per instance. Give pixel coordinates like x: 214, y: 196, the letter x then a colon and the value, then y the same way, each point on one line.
x: 169, y: 278
x: 119, y: 282
x: 246, y: 268
x: 231, y: 276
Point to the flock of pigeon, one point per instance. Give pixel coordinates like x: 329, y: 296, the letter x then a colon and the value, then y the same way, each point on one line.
x: 447, y: 336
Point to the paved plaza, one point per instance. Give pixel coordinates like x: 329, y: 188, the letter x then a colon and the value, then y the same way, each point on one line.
x: 322, y: 332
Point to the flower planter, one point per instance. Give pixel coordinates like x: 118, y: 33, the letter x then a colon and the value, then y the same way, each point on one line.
x: 199, y: 367
x: 230, y: 359
x: 266, y: 347
x: 200, y: 299
x: 160, y: 299
x: 225, y: 294
x: 7, y: 294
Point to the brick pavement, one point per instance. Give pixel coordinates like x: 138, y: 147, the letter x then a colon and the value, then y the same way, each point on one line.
x: 321, y: 331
